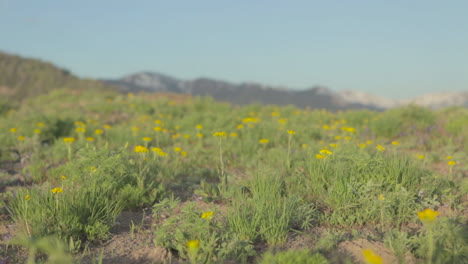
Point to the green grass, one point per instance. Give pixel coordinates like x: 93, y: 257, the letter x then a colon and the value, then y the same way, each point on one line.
x: 326, y: 181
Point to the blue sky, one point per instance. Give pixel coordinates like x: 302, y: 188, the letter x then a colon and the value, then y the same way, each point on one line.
x: 395, y: 48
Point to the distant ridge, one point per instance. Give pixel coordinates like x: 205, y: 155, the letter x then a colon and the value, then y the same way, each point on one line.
x: 21, y: 78
x: 246, y: 93
x: 24, y: 77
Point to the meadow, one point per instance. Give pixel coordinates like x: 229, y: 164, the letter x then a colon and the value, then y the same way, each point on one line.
x: 89, y: 177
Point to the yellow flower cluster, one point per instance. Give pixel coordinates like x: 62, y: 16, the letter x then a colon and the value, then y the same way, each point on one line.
x: 57, y: 190
x: 140, y: 149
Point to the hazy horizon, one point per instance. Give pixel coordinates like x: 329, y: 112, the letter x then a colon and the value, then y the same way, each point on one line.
x: 392, y: 49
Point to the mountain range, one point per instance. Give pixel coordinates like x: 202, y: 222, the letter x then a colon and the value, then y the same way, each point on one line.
x: 24, y: 77
x: 247, y: 93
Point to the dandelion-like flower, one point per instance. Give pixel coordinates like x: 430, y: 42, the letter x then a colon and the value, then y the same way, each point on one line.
x: 380, y: 148
x: 419, y: 156
x: 207, y: 215
x: 395, y: 143
x: 233, y: 134
x: 63, y: 177
x: 451, y: 163
x: 98, y: 131
x: 428, y: 215
x: 337, y: 137
x: 193, y: 245
x: 240, y: 126
x: 362, y: 145
x: 57, y: 190
x: 146, y: 139
x: 21, y: 138
x: 69, y: 139
x: 320, y: 156
x: 141, y: 149
x: 219, y: 134
x: 333, y: 145
x: 162, y: 153
x: 157, y: 129
x: 80, y: 129
x: 156, y: 149
x: 291, y: 132
x: 199, y: 127
x: 37, y: 131
x: 200, y: 135
x: 264, y: 141
x: 40, y: 124
x: 371, y: 257
x: 381, y: 197
x: 177, y: 149
x: 326, y: 151
x: 89, y: 139
x: 448, y: 157
x: 27, y: 197
x: 13, y: 130
x: 326, y: 127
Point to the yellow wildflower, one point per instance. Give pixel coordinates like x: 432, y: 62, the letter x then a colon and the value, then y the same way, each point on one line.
x: 381, y: 197
x: 333, y: 145
x: 157, y: 129
x: 141, y: 149
x: 319, y: 156
x: 57, y: 190
x: 233, y: 134
x: 69, y: 139
x: 326, y: 127
x: 200, y: 135
x: 240, y: 126
x: 106, y: 126
x: 371, y: 257
x: 157, y: 121
x: 177, y: 149
x: 89, y: 139
x: 451, y: 163
x: 21, y: 138
x: 98, y: 131
x: 146, y: 139
x: 13, y: 130
x: 186, y: 136
x: 380, y: 148
x: 27, y: 197
x: 448, y: 157
x: 395, y: 143
x: 291, y: 132
x: 135, y: 128
x: 162, y: 153
x: 92, y: 168
x: 362, y: 145
x: 40, y: 124
x: 156, y: 149
x: 199, y: 127
x: 37, y: 131
x: 64, y: 177
x: 283, y: 121
x: 419, y: 156
x: 207, y: 215
x: 183, y: 153
x: 337, y: 137
x: 263, y: 141
x: 326, y: 151
x: 347, y: 138
x: 428, y: 215
x: 193, y: 244
x: 80, y: 129
x: 219, y: 134
x: 368, y: 142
